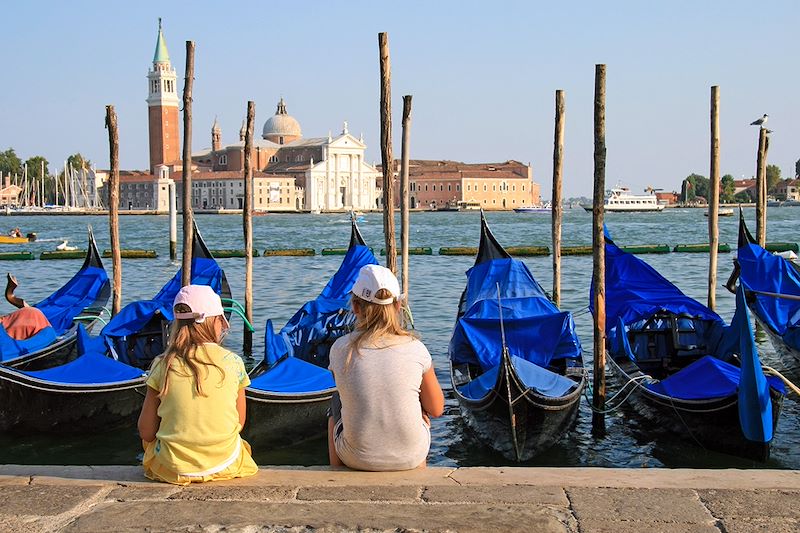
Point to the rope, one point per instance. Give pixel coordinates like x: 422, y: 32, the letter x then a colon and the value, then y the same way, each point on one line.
x: 771, y: 371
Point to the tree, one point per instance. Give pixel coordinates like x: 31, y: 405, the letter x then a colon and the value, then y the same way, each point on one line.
x: 10, y: 163
x: 728, y: 189
x: 773, y: 176
x: 743, y: 197
x: 797, y: 169
x: 693, y: 186
x: 77, y: 161
x: 36, y: 165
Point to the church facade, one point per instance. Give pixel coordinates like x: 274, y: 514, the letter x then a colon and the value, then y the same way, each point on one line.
x: 290, y: 172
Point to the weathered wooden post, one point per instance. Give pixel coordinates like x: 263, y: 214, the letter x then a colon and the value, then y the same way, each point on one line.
x: 386, y: 151
x: 764, y: 186
x: 761, y: 197
x: 113, y: 208
x: 599, y: 252
x: 173, y: 223
x: 405, y: 216
x: 713, y: 200
x: 555, y: 202
x: 188, y: 222
x: 247, y: 220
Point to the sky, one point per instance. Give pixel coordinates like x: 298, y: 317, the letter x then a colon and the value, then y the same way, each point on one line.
x: 483, y: 76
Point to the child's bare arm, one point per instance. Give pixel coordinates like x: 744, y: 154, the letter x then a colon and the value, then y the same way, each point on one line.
x: 149, y: 420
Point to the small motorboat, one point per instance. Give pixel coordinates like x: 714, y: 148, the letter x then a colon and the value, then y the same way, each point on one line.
x: 65, y: 247
x: 17, y: 238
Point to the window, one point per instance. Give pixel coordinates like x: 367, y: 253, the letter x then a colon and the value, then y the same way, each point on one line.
x: 523, y: 188
x: 273, y: 159
x: 458, y: 187
x: 280, y: 141
x: 494, y: 187
x: 449, y: 187
x: 484, y: 188
x: 513, y: 188
x: 426, y: 188
x: 468, y: 186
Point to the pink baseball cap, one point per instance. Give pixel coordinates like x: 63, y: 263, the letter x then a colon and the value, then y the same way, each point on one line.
x: 371, y: 279
x: 202, y: 300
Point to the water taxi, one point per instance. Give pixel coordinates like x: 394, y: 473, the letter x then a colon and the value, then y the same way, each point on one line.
x: 543, y: 208
x: 621, y: 200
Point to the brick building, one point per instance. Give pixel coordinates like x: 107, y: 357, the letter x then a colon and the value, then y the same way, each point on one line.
x: 453, y: 184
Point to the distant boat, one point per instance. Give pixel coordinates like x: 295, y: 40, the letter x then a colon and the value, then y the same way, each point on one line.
x: 723, y: 212
x: 544, y: 208
x: 621, y: 200
x: 790, y: 203
x: 8, y: 239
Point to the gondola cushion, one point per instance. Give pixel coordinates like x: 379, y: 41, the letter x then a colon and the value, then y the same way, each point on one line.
x: 13, y: 348
x: 88, y: 369
x: 705, y: 379
x: 294, y: 376
x: 534, y: 377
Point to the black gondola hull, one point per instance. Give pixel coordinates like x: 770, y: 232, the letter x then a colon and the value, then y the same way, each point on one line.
x: 538, y: 421
x: 280, y: 419
x: 713, y: 424
x: 37, y: 406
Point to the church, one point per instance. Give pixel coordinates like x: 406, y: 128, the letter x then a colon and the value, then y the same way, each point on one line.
x: 290, y: 172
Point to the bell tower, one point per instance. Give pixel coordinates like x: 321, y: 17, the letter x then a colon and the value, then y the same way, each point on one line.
x: 162, y: 106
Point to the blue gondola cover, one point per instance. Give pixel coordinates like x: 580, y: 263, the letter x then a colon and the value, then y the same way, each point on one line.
x: 765, y: 272
x: 69, y: 301
x: 88, y: 369
x: 11, y: 348
x: 314, y: 321
x: 294, y: 375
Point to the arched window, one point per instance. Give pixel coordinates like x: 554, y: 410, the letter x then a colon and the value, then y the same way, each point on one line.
x: 223, y: 159
x: 273, y: 159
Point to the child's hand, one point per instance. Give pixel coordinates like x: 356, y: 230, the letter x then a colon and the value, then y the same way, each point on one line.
x: 426, y: 418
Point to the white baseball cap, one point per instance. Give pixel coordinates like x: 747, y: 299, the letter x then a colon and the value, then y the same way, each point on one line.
x: 371, y: 279
x: 202, y: 301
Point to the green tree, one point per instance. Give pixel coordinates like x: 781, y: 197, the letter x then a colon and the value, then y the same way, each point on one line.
x: 693, y: 186
x: 10, y: 163
x: 742, y: 197
x: 77, y: 161
x: 773, y: 176
x: 797, y: 169
x: 728, y: 188
x: 36, y: 165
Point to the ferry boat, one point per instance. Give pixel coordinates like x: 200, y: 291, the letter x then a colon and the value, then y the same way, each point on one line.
x: 621, y: 200
x: 544, y: 208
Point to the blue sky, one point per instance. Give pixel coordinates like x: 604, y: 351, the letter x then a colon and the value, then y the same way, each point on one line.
x: 483, y: 76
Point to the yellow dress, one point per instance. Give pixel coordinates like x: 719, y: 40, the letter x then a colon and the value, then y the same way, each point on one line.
x: 198, y: 438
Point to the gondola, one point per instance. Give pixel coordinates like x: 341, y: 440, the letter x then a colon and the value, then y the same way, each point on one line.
x: 105, y: 385
x: 772, y: 288
x: 515, y: 360
x: 683, y: 368
x: 81, y: 299
x: 291, y: 387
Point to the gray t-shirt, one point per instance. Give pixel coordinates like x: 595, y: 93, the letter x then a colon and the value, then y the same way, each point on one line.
x: 382, y: 425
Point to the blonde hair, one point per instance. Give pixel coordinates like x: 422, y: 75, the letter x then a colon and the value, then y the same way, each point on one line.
x: 375, y: 321
x: 184, y: 337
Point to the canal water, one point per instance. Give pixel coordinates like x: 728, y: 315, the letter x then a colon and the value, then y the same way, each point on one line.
x: 283, y: 284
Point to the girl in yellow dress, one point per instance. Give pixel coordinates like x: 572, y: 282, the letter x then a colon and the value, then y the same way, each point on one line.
x: 195, y: 404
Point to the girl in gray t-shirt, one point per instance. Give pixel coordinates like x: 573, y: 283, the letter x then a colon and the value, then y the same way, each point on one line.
x: 387, y: 388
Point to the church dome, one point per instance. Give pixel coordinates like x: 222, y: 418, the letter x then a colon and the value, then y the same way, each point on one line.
x: 281, y: 127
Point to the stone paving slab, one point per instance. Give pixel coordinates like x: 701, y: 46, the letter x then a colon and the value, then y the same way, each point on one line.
x: 496, y: 494
x: 365, y: 493
x: 618, y: 526
x: 135, y: 516
x: 42, y: 501
x: 638, y: 505
x: 728, y: 503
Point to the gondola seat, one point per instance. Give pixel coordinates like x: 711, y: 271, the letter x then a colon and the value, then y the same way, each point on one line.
x: 534, y: 377
x: 293, y: 376
x: 704, y: 379
x: 88, y: 369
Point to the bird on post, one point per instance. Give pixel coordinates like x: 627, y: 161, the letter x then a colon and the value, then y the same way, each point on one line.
x: 761, y: 121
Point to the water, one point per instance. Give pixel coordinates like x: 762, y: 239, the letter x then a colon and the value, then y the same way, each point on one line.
x: 283, y: 284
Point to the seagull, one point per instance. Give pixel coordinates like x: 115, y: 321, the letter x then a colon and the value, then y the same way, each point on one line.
x: 761, y: 121
x: 64, y: 247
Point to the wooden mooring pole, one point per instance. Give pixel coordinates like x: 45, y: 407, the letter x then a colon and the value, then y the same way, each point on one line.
x: 713, y: 200
x: 113, y: 208
x: 247, y: 224
x: 386, y: 151
x: 761, y: 186
x: 599, y: 253
x: 405, y: 215
x: 764, y: 187
x: 188, y: 222
x: 555, y: 202
x: 173, y: 223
